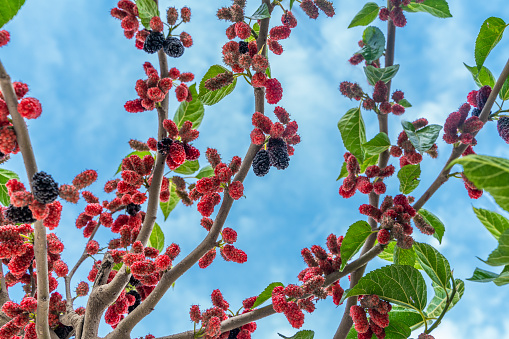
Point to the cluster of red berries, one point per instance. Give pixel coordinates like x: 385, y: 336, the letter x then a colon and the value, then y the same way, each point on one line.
x: 396, y: 13
x: 405, y: 150
x: 473, y: 191
x: 467, y: 127
x: 29, y: 108
x: 23, y: 202
x: 285, y: 129
x: 282, y: 32
x: 20, y: 315
x: 70, y: 193
x: 394, y: 216
x: 127, y: 11
x: 354, y: 181
x: 207, y: 189
x: 227, y: 250
x: 154, y: 89
x: 4, y: 38
x: 378, y: 102
x: 378, y: 311
x: 310, y: 7
x: 211, y: 318
x: 115, y: 312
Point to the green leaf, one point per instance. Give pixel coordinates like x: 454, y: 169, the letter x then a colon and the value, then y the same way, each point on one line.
x: 208, y: 97
x: 488, y: 173
x: 354, y: 238
x: 437, y: 8
x: 405, y: 103
x: 483, y: 77
x: 424, y: 138
x: 147, y: 9
x: 141, y: 154
x: 409, y: 178
x: 266, y: 294
x: 397, y: 330
x: 404, y: 256
x: 156, y: 239
x: 374, y: 44
x: 495, y: 223
x: 6, y: 175
x: 192, y: 111
x: 503, y: 278
x: 399, y: 284
x: 376, y: 74
x: 291, y: 4
x: 9, y: 8
x: 353, y: 132
x: 388, y: 252
x: 434, y: 264
x: 489, y: 36
x: 437, y: 304
x: 366, y: 15
x: 483, y: 276
x: 409, y: 317
x: 504, y: 91
x: 117, y: 266
x: 206, y: 171
x: 434, y: 221
x: 378, y: 144
x: 169, y: 205
x: 188, y: 167
x: 500, y: 256
x: 371, y: 159
x: 305, y: 334
x: 261, y: 13
x: 344, y: 172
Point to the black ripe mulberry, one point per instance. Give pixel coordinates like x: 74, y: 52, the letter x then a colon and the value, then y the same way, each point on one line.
x: 45, y: 189
x: 132, y: 209
x: 243, y: 47
x: 63, y: 331
x: 233, y: 333
x: 503, y: 128
x: 261, y: 163
x: 278, y: 153
x: 163, y: 145
x: 476, y: 112
x: 153, y: 42
x: 19, y: 215
x: 136, y: 303
x: 173, y: 47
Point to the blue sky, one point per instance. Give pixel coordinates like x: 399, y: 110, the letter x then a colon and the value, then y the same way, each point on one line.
x: 77, y: 62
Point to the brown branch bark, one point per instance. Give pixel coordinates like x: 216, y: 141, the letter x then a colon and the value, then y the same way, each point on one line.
x: 23, y: 139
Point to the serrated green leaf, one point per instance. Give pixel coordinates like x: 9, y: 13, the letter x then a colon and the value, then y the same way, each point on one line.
x: 208, y: 97
x: 371, y: 159
x: 305, y: 334
x: 404, y: 256
x: 141, y: 154
x: 388, y: 252
x: 353, y: 132
x: 503, y: 278
x: 206, y: 171
x: 488, y: 173
x: 483, y: 276
x: 168, y: 206
x: 9, y: 9
x: 266, y: 294
x: 188, y: 167
x: 147, y: 9
x: 500, y: 256
x: 434, y: 264
x: 434, y: 221
x: 354, y: 238
x: 6, y: 175
x: 344, y: 172
x: 424, y: 138
x: 483, y: 77
x: 437, y: 8
x: 409, y: 178
x: 495, y: 223
x: 366, y: 15
x: 374, y: 44
x: 261, y: 12
x: 378, y: 144
x: 439, y: 301
x: 405, y: 103
x: 399, y: 284
x: 156, y: 239
x: 376, y: 74
x: 192, y: 111
x: 409, y: 317
x: 489, y: 36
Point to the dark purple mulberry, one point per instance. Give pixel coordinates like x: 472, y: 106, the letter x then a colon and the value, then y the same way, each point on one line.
x: 173, y: 47
x: 153, y: 42
x: 261, y: 163
x: 132, y: 209
x: 19, y: 215
x: 45, y: 189
x: 503, y: 128
x: 163, y: 145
